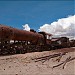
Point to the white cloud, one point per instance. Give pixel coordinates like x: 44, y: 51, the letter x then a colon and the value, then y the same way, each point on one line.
x: 63, y: 27
x: 26, y: 27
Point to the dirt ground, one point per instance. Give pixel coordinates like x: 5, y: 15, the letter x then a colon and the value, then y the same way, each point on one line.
x: 23, y: 64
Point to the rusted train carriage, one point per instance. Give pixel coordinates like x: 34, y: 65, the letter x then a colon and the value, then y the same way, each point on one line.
x: 61, y: 42
x: 13, y: 41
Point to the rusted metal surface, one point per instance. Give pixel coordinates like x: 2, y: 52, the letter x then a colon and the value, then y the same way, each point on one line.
x: 5, y: 32
x: 13, y: 41
x: 72, y: 43
x: 23, y: 35
x: 61, y: 42
x: 20, y: 35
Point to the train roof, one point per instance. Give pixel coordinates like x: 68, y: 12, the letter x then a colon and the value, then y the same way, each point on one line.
x: 45, y: 33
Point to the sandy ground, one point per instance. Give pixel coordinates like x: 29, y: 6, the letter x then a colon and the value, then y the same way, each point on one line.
x: 22, y: 64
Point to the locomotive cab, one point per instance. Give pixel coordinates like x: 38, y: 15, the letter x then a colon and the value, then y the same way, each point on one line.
x: 47, y: 38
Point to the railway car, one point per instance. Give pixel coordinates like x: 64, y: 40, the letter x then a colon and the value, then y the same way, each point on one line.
x: 13, y: 40
x: 61, y: 42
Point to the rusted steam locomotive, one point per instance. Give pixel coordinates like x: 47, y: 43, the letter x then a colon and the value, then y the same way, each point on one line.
x: 14, y: 41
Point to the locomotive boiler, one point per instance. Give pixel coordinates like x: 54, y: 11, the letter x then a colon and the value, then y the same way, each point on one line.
x: 9, y: 33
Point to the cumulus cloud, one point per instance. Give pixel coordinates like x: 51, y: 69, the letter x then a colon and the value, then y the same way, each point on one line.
x: 26, y: 27
x: 62, y: 27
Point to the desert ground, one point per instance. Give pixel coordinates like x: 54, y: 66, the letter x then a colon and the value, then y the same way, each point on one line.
x: 34, y: 64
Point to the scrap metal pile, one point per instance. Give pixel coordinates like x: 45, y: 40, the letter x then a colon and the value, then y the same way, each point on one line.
x: 14, y: 41
x: 59, y: 55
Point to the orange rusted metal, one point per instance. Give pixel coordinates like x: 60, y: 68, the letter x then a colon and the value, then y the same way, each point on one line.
x: 19, y: 35
x: 5, y: 32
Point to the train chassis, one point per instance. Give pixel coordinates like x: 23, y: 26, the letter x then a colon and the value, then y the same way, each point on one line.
x: 20, y: 47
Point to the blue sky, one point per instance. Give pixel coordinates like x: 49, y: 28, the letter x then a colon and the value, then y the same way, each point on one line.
x: 34, y: 13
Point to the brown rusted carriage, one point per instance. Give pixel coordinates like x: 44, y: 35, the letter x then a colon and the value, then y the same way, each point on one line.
x: 14, y: 40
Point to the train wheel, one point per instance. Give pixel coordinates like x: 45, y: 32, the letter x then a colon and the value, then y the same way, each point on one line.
x: 23, y: 51
x: 4, y: 52
x: 12, y: 51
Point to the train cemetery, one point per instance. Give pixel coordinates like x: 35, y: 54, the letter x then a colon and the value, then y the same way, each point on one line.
x: 35, y: 53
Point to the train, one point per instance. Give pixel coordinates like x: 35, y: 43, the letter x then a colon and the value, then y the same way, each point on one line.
x: 13, y: 41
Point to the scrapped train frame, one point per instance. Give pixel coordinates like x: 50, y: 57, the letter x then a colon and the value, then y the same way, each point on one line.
x: 14, y: 41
